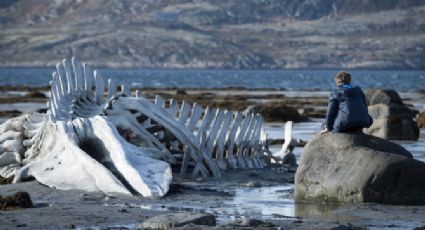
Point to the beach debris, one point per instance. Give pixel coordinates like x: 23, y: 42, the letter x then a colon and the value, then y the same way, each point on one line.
x: 172, y: 220
x: 94, y: 139
x: 18, y: 200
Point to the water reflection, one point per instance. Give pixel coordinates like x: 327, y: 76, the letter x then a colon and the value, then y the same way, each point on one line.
x: 267, y: 202
x: 315, y: 210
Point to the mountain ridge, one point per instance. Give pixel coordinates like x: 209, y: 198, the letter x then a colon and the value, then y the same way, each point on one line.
x: 235, y: 34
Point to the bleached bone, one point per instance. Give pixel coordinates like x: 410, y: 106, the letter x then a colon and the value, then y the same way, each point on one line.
x: 109, y: 163
x: 231, y: 141
x: 249, y: 143
x: 162, y: 117
x: 207, y: 144
x: 255, y: 144
x: 288, y: 141
x: 16, y: 135
x: 188, y: 152
x: 174, y: 106
x: 96, y: 159
x: 220, y: 144
x: 124, y: 144
x: 241, y: 140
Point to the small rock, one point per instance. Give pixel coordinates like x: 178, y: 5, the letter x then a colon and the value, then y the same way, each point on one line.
x: 169, y: 221
x: 36, y: 94
x: 349, y: 226
x: 300, y: 142
x: 107, y: 198
x: 251, y: 222
x: 18, y: 200
x: 253, y: 175
x: 255, y: 223
x: 289, y: 159
x: 70, y: 226
x: 254, y: 184
x: 6, y: 180
x: 181, y: 92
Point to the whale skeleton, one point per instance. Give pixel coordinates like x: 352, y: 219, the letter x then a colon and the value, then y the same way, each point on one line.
x: 108, y: 140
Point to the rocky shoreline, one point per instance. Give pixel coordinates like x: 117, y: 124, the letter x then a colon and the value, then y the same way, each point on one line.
x: 219, y: 197
x: 81, y: 210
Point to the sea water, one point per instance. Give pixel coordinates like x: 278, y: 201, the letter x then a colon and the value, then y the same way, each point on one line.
x: 400, y: 80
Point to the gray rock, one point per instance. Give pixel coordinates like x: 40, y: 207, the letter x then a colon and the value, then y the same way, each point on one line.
x: 349, y: 226
x: 254, y: 223
x: 383, y: 96
x: 19, y: 200
x: 276, y: 111
x: 392, y: 122
x: 355, y: 167
x: 392, y: 119
x: 289, y: 159
x: 169, y: 221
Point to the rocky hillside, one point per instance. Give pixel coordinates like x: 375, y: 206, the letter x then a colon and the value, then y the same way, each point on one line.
x: 215, y: 33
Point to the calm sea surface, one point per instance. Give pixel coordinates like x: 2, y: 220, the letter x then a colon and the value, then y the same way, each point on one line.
x: 400, y: 80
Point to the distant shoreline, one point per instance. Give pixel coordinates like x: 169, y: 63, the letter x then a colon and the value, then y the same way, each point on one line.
x: 113, y: 67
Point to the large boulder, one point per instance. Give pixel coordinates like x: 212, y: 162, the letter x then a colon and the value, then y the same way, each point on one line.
x: 356, y: 167
x: 392, y: 119
x: 383, y: 96
x: 392, y: 122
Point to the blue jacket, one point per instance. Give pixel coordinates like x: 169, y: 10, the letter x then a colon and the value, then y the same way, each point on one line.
x: 347, y: 110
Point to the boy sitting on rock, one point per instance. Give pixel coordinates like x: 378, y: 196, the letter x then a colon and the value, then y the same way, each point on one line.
x: 347, y: 108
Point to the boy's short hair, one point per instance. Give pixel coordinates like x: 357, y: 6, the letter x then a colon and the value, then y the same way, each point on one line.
x: 343, y: 78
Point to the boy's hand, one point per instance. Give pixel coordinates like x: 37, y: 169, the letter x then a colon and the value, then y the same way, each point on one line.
x: 325, y: 130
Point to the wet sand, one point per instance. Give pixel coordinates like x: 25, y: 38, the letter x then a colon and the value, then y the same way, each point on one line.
x: 231, y: 199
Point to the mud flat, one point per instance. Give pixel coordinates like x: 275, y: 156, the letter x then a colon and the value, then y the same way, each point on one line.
x: 237, y: 200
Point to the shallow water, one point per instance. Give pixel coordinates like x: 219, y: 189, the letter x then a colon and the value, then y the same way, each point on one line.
x: 260, y: 203
x: 307, y: 130
x: 277, y: 203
